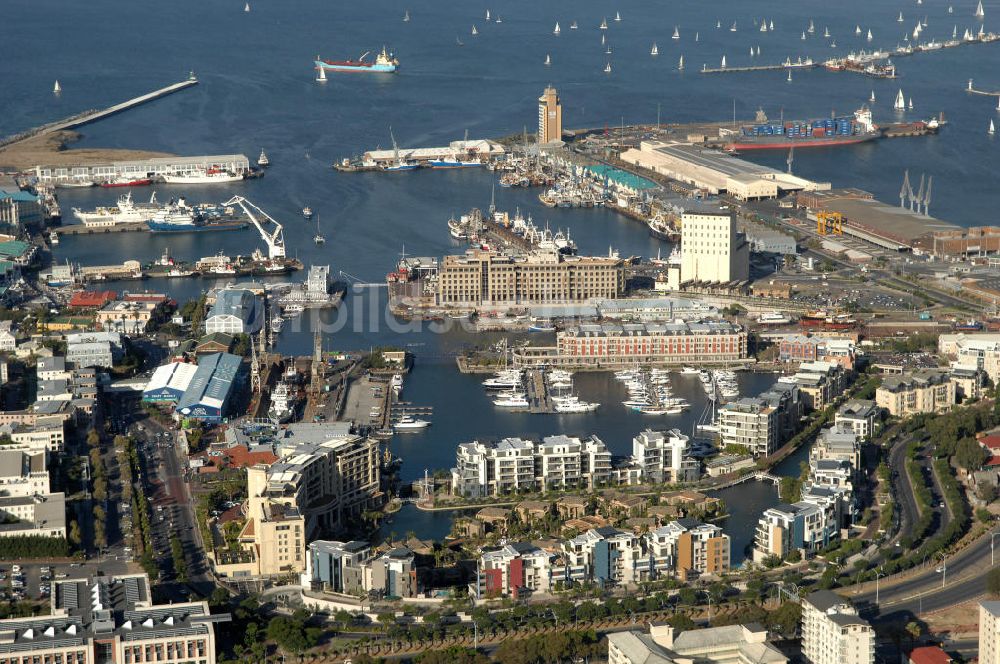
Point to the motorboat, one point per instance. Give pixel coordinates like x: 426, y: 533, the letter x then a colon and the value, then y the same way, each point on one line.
x: 409, y: 424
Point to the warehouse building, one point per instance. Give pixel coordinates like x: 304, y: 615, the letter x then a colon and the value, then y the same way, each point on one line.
x: 236, y: 311
x: 716, y: 172
x: 208, y: 394
x: 169, y: 382
x: 235, y: 163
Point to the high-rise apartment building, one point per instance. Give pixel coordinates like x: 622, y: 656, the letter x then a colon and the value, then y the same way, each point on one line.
x: 549, y: 116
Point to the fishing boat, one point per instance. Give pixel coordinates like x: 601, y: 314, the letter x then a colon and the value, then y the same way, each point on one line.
x: 384, y: 63
x: 556, y: 30
x: 262, y: 160
x: 654, y: 50
x: 125, y: 181
x: 677, y: 34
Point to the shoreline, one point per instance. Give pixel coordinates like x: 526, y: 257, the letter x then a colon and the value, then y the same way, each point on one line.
x: 50, y: 149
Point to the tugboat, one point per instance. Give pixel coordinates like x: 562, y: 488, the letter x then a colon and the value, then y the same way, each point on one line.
x: 307, y: 212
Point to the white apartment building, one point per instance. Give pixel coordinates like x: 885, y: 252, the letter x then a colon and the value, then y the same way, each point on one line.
x: 558, y: 462
x: 660, y: 456
x: 841, y: 442
x: 861, y: 415
x: 23, y: 473
x: 750, y: 422
x: 833, y: 633
x: 47, y: 434
x: 8, y: 336
x: 604, y: 555
x: 989, y: 632
x: 712, y: 248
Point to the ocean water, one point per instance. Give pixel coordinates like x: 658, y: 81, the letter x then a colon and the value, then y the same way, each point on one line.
x: 257, y: 91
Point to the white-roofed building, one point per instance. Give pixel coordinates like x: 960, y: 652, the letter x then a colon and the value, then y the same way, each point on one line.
x: 236, y: 311
x: 169, y: 382
x: 731, y: 644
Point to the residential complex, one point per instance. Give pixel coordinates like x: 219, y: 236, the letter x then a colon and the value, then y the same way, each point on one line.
x: 863, y: 417
x: 763, y: 423
x: 687, y: 548
x: 661, y: 457
x: 354, y: 568
x: 833, y: 633
x: 810, y: 348
x: 111, y: 619
x: 515, y: 464
x: 924, y: 391
x: 511, y: 569
x: 483, y: 278
x: 989, y: 632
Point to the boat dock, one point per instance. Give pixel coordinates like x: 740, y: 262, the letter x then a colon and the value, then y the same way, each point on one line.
x: 538, y: 392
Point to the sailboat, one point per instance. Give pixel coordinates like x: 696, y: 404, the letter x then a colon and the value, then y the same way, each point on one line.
x: 826, y: 32
x: 871, y: 100
x: 603, y: 40
x: 770, y: 25
x: 604, y: 24
x: 548, y: 60
x: 751, y: 51
x: 803, y: 36
x: 321, y: 75
x: 618, y: 17
x: 833, y: 44
x: 246, y: 8
x: 979, y: 10
x: 677, y: 34
x: 696, y: 36
x: 992, y: 129
x: 910, y: 105
x: 954, y: 32
x: 318, y: 238
x: 718, y: 24
x: 925, y: 21
x: 556, y: 30
x: 900, y: 103
x: 654, y: 50
x: 869, y: 37
x: 459, y: 42
x: 732, y: 28
x: 758, y: 50
x: 763, y: 26
x: 607, y: 68
x: 573, y: 26
x: 900, y: 19
x: 487, y: 14
x: 56, y: 89
x: 789, y: 79
x: 475, y: 31
x: 406, y: 16
x: 998, y: 103
x: 951, y: 9
x: 607, y: 51
x: 723, y: 62
x: 857, y: 30
x: 680, y: 63
x: 812, y: 28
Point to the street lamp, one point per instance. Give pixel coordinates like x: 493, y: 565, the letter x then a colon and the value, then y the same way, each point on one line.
x: 943, y: 570
x: 878, y: 574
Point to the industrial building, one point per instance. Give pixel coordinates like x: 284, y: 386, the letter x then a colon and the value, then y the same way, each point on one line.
x: 975, y: 241
x: 208, y: 394
x: 18, y: 207
x: 169, y: 382
x: 236, y: 311
x: 142, y: 168
x: 712, y: 249
x: 474, y: 149
x: 716, y: 172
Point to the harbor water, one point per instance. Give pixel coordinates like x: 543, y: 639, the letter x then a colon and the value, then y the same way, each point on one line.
x: 257, y: 90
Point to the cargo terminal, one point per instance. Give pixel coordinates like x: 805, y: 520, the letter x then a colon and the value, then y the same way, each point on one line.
x: 716, y: 172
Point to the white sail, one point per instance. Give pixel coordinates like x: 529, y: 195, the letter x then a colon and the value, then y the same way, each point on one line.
x: 246, y: 7
x: 604, y: 24
x: 677, y: 34
x: 321, y: 75
x: 872, y: 98
x: 696, y: 36
x: 998, y: 103
x: 979, y: 10
x: 475, y: 31
x: 857, y: 30
x: 618, y: 17
x: 406, y: 16
x: 607, y: 68
x: 826, y: 32
x: 910, y: 105
x: 732, y: 28
x: 992, y: 129
x: 758, y: 50
x: 770, y: 25
x: 718, y: 24
x: 951, y: 9
x: 723, y: 62
x: 751, y: 51
x: 548, y: 60
x: 556, y: 30
x: 869, y: 37
x: 900, y: 102
x: 680, y: 63
x: 789, y: 79
x: 487, y: 14
x: 654, y: 50
x: 900, y: 19
x: 763, y: 26
x: 812, y: 28
x: 57, y: 88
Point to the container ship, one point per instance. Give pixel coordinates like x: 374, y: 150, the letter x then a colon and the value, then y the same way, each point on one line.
x: 843, y: 130
x: 384, y: 63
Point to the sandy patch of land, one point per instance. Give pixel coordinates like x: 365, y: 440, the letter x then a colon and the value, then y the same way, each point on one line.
x: 49, y: 149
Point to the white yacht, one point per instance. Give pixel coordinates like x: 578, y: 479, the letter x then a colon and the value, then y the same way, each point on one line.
x: 125, y: 212
x: 408, y: 423
x: 396, y: 384
x: 512, y: 400
x: 506, y: 379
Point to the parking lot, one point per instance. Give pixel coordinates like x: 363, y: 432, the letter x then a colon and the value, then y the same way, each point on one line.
x: 33, y: 581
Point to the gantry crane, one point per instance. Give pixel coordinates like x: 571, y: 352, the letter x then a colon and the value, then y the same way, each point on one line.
x: 274, y: 239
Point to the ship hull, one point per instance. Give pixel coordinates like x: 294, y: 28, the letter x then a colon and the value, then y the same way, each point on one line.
x: 157, y: 227
x: 355, y: 67
x: 440, y: 163
x: 784, y: 144
x: 132, y: 183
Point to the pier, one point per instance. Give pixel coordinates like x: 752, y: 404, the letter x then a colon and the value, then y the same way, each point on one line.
x: 986, y: 93
x: 538, y: 392
x: 94, y: 116
x: 749, y: 68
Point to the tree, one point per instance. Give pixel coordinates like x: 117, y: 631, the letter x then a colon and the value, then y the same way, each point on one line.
x: 291, y: 634
x: 786, y: 618
x: 74, y: 534
x: 969, y: 454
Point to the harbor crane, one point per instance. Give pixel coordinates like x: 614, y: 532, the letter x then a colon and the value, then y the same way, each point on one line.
x: 274, y: 239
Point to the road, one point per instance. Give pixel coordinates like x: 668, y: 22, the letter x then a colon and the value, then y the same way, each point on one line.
x: 928, y: 591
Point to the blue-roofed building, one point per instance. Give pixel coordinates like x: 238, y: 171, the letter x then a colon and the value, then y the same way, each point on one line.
x: 208, y: 394
x: 19, y: 207
x: 236, y: 311
x: 619, y: 179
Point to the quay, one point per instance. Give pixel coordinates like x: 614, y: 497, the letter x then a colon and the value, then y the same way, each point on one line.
x: 94, y: 116
x: 80, y: 229
x: 986, y: 93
